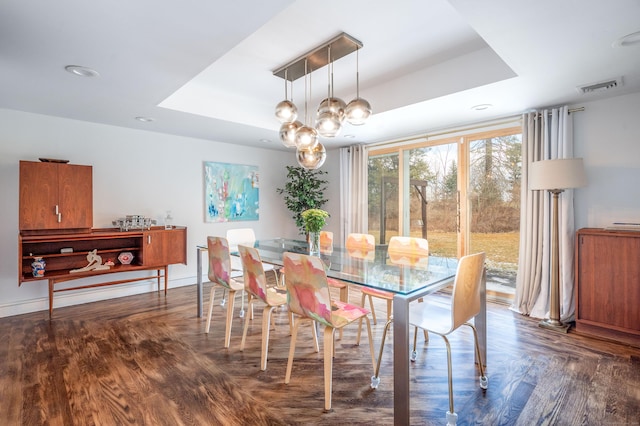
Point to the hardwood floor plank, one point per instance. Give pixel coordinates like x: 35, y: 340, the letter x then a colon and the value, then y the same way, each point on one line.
x: 145, y: 359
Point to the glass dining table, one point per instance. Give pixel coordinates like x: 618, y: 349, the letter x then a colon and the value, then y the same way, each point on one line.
x: 376, y: 269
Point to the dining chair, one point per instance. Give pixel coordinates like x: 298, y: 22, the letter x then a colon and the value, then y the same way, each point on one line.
x: 220, y: 276
x: 310, y: 300
x: 247, y: 237
x: 326, y: 242
x: 463, y: 306
x: 402, y: 251
x: 326, y: 247
x: 255, y: 284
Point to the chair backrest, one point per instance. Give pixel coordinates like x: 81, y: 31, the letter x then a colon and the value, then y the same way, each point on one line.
x: 409, y: 251
x: 361, y: 246
x: 326, y: 242
x: 244, y: 236
x: 465, y: 300
x: 219, y: 261
x: 307, y: 289
x: 255, y: 281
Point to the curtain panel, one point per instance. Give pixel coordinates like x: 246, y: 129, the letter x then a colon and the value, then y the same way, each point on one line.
x: 546, y: 135
x: 354, y: 162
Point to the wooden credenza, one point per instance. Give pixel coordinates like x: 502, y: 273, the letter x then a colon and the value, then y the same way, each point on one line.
x: 153, y: 249
x: 608, y: 284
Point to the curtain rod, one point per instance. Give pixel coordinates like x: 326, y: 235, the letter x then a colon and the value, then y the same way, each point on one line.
x: 496, y: 122
x: 578, y: 109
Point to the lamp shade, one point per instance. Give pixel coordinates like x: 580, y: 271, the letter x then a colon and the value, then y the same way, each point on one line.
x: 565, y: 173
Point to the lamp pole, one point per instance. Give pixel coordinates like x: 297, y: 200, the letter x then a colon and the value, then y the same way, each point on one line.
x: 553, y: 322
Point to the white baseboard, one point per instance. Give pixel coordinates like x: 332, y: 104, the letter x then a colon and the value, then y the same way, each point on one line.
x: 78, y: 297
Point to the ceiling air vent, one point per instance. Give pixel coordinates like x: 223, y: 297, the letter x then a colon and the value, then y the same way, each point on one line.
x: 600, y: 86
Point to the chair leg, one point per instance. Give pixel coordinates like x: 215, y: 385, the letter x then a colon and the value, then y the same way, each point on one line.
x: 389, y: 312
x: 484, y: 382
x: 375, y: 380
x: 246, y: 322
x: 344, y: 294
x: 292, y: 350
x: 290, y: 321
x: 452, y: 417
x: 211, y: 297
x: 230, y: 303
x: 315, y: 335
x: 328, y: 365
x: 414, y: 353
x: 373, y: 356
x: 266, y: 315
x: 373, y: 310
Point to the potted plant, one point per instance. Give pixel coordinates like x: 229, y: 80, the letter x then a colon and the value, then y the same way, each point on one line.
x: 304, y: 190
x: 314, y: 220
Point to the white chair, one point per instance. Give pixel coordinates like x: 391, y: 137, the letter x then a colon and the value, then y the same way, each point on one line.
x: 245, y: 237
x: 443, y: 320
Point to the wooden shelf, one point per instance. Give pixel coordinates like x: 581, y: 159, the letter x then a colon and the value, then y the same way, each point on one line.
x: 153, y: 249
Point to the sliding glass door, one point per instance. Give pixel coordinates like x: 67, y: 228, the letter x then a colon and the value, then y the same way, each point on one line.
x: 384, y: 209
x: 461, y: 193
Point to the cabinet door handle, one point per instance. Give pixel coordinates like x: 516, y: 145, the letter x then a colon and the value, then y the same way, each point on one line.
x: 57, y: 211
x: 148, y: 239
x: 59, y: 217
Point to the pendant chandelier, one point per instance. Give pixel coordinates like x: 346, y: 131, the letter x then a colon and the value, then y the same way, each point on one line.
x: 332, y: 111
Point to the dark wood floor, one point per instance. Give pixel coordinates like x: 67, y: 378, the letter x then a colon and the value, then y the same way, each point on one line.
x: 145, y: 359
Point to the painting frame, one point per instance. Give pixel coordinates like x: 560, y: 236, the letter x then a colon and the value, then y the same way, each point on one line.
x: 231, y: 192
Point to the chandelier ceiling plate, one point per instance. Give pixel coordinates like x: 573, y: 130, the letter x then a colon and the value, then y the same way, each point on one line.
x: 341, y: 45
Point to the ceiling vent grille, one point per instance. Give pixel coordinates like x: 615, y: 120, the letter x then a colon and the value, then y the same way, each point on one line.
x: 600, y: 86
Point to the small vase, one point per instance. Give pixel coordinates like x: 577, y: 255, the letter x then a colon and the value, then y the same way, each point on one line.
x: 37, y: 267
x: 314, y: 243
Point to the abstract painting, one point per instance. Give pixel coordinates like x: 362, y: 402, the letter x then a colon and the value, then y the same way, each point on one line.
x: 231, y: 192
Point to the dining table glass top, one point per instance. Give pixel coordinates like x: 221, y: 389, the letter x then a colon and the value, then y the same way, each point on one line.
x: 401, y: 273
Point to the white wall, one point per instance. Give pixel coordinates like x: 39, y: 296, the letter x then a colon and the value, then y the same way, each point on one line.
x: 138, y: 172
x: 607, y: 136
x: 134, y: 172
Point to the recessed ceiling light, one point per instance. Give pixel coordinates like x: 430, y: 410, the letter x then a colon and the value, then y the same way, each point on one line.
x: 349, y: 136
x: 81, y: 71
x: 481, y: 107
x: 145, y: 119
x: 265, y: 140
x: 632, y: 39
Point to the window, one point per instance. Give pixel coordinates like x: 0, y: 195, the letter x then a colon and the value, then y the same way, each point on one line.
x: 460, y: 192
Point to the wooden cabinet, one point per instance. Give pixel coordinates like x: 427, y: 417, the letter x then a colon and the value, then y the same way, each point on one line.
x: 152, y: 250
x: 164, y: 247
x: 608, y: 284
x: 55, y: 196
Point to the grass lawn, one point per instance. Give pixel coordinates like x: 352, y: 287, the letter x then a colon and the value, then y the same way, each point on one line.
x: 501, y: 248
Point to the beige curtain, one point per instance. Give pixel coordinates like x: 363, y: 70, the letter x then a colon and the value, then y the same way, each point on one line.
x: 354, y: 162
x: 545, y: 135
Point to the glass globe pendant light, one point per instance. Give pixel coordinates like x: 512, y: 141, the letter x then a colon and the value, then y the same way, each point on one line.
x: 312, y: 158
x: 306, y: 136
x: 358, y: 110
x: 286, y: 111
x: 288, y: 133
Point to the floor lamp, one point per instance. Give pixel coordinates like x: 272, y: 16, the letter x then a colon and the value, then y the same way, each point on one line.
x: 555, y: 176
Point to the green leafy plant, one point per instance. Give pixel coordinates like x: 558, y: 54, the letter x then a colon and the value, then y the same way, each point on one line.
x: 314, y: 219
x: 304, y: 190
